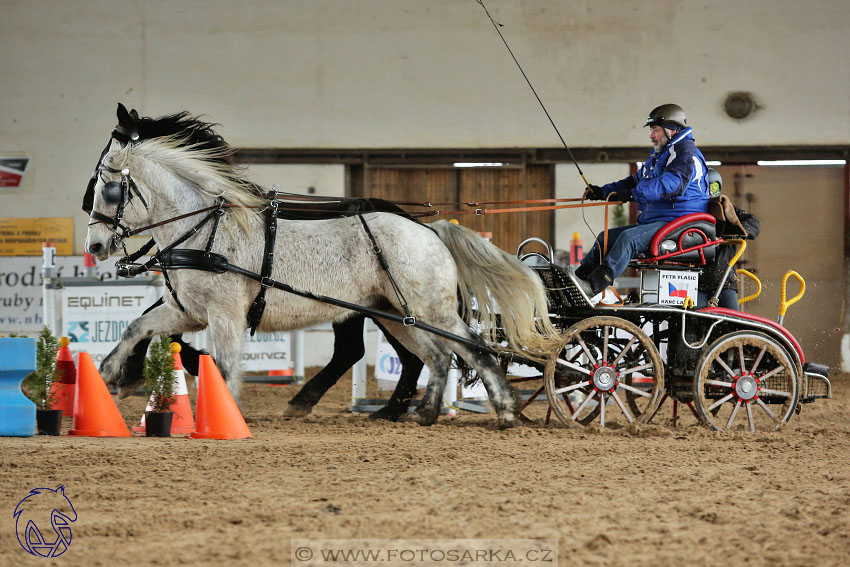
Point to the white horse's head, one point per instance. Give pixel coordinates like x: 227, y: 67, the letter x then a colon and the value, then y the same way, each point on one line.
x: 118, y: 205
x: 176, y: 160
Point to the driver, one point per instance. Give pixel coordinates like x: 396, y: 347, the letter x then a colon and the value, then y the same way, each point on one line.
x: 669, y: 185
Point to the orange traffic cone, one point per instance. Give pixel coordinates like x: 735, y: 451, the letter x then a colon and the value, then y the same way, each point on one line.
x: 218, y: 415
x: 182, y: 421
x: 65, y: 379
x: 95, y: 412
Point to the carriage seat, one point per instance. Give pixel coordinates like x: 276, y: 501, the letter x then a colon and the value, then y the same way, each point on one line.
x: 690, y: 239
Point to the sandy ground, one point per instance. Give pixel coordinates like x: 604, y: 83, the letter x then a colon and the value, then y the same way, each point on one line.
x: 656, y: 496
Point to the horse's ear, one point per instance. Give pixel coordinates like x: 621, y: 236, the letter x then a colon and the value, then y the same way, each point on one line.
x: 134, y: 115
x: 123, y: 115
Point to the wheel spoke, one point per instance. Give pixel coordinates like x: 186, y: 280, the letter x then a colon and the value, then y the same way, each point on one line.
x: 601, y: 409
x: 634, y: 390
x: 604, y: 343
x: 771, y: 373
x: 725, y: 367
x: 572, y: 387
x: 722, y: 400
x: 636, y: 368
x: 719, y: 383
x: 586, y: 350
x: 758, y: 359
x: 741, y: 363
x: 582, y: 406
x: 623, y: 408
x: 623, y: 352
x: 734, y: 413
x: 575, y: 367
x: 750, y: 418
x: 767, y: 410
x: 775, y: 392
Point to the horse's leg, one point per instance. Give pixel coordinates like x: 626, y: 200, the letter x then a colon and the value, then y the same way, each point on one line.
x: 135, y: 364
x: 502, y: 397
x: 404, y: 391
x: 160, y: 319
x: 348, y: 349
x: 428, y: 410
x: 435, y: 350
x: 228, y: 336
x: 434, y: 353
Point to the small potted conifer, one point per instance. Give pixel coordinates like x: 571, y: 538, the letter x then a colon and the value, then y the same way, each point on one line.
x: 39, y: 384
x: 159, y: 384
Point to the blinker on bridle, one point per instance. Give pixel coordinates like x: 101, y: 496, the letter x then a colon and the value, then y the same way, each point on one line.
x: 115, y: 192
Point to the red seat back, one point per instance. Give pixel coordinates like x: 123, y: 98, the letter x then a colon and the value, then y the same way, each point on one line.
x: 694, y: 237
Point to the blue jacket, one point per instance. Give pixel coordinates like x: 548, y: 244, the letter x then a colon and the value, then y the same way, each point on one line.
x: 670, y: 184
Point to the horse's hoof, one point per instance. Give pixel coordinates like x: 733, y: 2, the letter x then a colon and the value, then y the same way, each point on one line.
x: 426, y: 417
x: 297, y: 411
x: 420, y: 417
x: 388, y: 413
x: 509, y: 422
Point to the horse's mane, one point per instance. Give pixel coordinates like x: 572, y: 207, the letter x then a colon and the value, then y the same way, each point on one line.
x: 194, y: 131
x: 202, y: 158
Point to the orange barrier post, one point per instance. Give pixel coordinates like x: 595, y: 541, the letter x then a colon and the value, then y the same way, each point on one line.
x: 218, y: 416
x: 95, y: 412
x: 182, y: 422
x: 65, y: 379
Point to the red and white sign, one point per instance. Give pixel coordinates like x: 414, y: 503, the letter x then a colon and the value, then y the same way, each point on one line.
x: 12, y: 171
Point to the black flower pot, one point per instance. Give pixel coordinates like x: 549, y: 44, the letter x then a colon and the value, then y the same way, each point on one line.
x: 49, y: 421
x: 158, y: 424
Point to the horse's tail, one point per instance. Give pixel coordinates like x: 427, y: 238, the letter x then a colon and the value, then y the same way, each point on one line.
x: 503, y: 285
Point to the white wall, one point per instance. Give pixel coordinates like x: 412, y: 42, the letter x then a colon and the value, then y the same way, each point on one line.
x: 407, y: 73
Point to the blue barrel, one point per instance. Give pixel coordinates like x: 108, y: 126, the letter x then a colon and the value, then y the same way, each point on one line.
x: 17, y: 413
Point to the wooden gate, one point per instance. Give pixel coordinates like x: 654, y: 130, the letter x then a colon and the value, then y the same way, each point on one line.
x: 461, y: 185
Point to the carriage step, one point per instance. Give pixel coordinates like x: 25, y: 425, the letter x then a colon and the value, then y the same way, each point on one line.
x: 818, y: 385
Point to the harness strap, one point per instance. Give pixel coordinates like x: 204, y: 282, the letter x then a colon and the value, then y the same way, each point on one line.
x: 171, y: 289
x: 126, y: 269
x: 193, y: 259
x: 255, y: 312
x: 360, y: 309
x: 409, y: 320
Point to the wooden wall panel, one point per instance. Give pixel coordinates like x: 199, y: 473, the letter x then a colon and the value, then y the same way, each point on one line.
x: 449, y: 185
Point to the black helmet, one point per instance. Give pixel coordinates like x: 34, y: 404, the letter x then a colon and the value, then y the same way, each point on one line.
x: 667, y: 113
x: 715, y: 181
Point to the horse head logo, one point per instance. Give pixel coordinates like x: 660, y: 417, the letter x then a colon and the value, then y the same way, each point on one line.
x: 39, y: 505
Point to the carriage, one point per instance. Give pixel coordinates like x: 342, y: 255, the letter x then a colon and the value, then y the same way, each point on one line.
x: 599, y: 363
x: 620, y: 363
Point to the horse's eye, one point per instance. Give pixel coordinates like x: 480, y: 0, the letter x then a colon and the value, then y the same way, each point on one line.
x: 113, y: 192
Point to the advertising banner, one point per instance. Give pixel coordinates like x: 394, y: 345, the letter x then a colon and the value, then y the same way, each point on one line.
x: 388, y: 366
x: 94, y: 317
x: 21, y: 298
x: 12, y: 171
x: 266, y: 351
x: 24, y: 236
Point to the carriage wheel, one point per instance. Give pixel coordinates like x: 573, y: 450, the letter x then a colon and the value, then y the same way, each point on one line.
x: 610, y: 367
x: 746, y: 378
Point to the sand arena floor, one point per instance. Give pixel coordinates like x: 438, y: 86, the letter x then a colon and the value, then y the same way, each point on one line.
x: 655, y: 496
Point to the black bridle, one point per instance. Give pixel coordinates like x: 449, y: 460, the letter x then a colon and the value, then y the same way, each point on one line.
x: 117, y: 193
